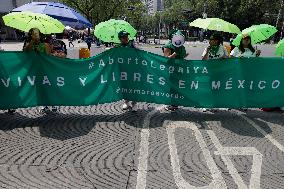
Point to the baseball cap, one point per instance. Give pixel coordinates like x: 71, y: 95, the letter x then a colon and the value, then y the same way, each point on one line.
x: 122, y: 34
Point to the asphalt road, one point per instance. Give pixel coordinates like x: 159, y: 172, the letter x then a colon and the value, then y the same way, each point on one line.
x: 104, y: 147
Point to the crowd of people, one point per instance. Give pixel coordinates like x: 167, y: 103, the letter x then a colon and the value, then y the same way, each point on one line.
x: 174, y: 49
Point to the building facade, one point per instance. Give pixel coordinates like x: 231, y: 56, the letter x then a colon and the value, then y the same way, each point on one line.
x: 154, y: 6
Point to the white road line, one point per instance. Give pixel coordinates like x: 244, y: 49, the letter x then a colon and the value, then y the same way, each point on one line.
x: 263, y: 132
x: 144, y: 150
x: 217, y: 182
x: 225, y: 152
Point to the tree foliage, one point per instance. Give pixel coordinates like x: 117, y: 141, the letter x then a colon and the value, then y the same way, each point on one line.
x: 99, y: 10
x: 243, y: 13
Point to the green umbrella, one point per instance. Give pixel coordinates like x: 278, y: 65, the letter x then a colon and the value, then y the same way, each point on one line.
x: 24, y: 21
x: 216, y: 24
x: 108, y: 31
x: 280, y: 48
x: 258, y: 33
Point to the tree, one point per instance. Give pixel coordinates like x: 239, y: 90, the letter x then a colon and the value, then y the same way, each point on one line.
x: 243, y: 13
x: 136, y: 14
x: 99, y: 10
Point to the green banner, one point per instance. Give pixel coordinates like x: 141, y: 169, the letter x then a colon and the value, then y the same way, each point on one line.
x: 30, y: 79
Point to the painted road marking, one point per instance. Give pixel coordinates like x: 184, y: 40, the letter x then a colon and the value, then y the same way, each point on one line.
x: 263, y: 132
x: 225, y: 152
x: 217, y: 182
x: 144, y: 150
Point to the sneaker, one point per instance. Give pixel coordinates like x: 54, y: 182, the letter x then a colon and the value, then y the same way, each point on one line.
x: 11, y: 111
x: 223, y: 109
x: 53, y: 109
x: 171, y: 108
x: 125, y: 106
x: 45, y: 110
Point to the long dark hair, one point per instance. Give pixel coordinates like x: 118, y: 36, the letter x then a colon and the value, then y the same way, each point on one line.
x: 250, y: 47
x: 28, y: 38
x: 218, y: 37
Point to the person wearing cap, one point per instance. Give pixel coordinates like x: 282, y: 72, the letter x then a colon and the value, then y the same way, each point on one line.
x: 175, y: 49
x: 245, y: 49
x: 215, y: 50
x: 124, y: 40
x: 126, y: 43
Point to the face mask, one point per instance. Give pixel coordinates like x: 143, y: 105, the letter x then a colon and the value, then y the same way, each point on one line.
x: 178, y: 39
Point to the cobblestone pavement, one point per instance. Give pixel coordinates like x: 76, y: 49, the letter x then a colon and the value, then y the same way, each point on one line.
x: 106, y: 148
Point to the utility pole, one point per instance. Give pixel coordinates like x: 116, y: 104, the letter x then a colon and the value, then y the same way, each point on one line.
x: 204, y: 14
x: 160, y: 28
x: 279, y: 13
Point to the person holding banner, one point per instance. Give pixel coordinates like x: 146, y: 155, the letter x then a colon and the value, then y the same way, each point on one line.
x: 245, y: 49
x: 10, y: 111
x: 215, y: 50
x: 126, y: 43
x: 35, y: 42
x: 175, y: 49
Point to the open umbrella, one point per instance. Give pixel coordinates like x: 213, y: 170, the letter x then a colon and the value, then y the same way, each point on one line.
x: 257, y: 33
x: 24, y: 21
x: 280, y: 48
x: 215, y: 24
x: 108, y: 31
x: 61, y: 12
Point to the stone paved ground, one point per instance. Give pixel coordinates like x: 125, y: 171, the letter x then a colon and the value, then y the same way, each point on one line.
x: 103, y: 147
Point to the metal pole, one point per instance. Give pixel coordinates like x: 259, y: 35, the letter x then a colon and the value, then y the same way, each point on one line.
x: 281, y: 35
x: 279, y: 13
x: 160, y: 30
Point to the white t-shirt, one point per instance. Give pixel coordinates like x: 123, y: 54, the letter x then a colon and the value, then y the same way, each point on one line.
x: 237, y: 53
x: 220, y: 54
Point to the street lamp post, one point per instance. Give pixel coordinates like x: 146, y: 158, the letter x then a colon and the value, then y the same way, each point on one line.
x: 204, y: 15
x: 160, y: 29
x: 279, y: 13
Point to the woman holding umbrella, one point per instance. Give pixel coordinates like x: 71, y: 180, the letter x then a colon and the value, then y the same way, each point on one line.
x: 245, y: 49
x: 35, y: 42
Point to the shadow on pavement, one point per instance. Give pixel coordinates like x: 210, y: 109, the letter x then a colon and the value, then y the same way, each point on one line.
x: 66, y: 126
x: 63, y: 127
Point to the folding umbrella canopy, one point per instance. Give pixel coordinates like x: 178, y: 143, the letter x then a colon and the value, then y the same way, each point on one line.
x: 258, y: 33
x: 108, y: 31
x: 280, y: 48
x: 25, y: 21
x: 215, y: 24
x: 61, y: 12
